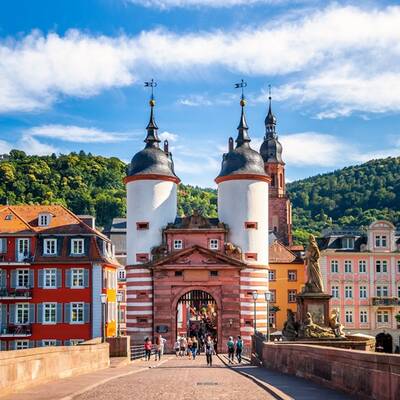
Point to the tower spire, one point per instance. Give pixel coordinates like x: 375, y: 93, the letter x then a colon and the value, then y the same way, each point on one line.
x: 243, y: 137
x: 152, y: 139
x: 270, y: 119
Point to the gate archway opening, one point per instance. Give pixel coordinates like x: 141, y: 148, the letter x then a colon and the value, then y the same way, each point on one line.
x: 197, y: 315
x: 384, y: 343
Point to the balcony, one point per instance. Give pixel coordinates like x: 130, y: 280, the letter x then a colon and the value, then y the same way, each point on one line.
x: 385, y: 301
x: 15, y: 294
x: 16, y: 330
x: 20, y: 260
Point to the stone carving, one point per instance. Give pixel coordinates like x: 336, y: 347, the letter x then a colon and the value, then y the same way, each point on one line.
x: 314, y: 282
x: 195, y: 221
x: 233, y: 251
x: 158, y: 252
x: 336, y: 326
x: 310, y: 329
x: 290, y: 327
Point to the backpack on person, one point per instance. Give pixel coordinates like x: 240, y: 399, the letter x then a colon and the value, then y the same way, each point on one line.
x: 239, y: 345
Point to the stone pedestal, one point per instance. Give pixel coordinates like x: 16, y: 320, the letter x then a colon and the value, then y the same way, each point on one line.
x: 317, y: 304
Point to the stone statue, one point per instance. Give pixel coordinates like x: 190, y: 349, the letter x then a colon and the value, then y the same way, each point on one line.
x: 336, y: 326
x: 314, y: 282
x: 290, y: 327
x: 233, y: 251
x: 311, y: 330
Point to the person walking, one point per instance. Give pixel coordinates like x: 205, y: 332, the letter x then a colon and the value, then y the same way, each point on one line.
x: 182, y: 348
x: 147, y: 348
x: 209, y: 350
x: 195, y: 346
x: 159, y: 348
x: 189, y: 348
x: 231, y: 349
x: 239, y: 349
x: 177, y: 346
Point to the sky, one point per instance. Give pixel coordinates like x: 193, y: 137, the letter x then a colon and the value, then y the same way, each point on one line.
x: 72, y: 76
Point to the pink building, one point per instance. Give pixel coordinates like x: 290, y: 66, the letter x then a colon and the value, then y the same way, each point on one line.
x: 362, y: 272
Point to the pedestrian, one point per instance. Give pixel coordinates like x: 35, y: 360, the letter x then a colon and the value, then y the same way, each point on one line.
x: 195, y: 346
x: 231, y: 349
x: 182, y: 348
x: 189, y: 348
x: 239, y: 349
x: 159, y: 348
x: 209, y: 350
x: 147, y: 348
x: 177, y: 346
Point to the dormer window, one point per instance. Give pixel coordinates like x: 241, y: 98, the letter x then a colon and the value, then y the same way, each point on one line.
x: 8, y: 217
x: 77, y: 246
x: 214, y: 244
x: 49, y: 247
x: 381, y: 241
x: 348, y: 243
x: 44, y: 219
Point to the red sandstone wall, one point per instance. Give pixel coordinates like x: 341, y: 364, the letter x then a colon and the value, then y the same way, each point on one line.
x: 368, y: 375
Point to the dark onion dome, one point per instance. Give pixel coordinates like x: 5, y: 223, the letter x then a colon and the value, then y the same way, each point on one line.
x: 242, y: 160
x: 152, y: 160
x: 271, y: 148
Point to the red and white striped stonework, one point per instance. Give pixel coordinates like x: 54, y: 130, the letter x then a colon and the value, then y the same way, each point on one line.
x: 253, y: 279
x: 139, y: 314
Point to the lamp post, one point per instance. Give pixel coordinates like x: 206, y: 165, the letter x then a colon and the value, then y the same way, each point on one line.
x: 119, y: 300
x: 255, y: 297
x: 103, y: 300
x: 267, y: 300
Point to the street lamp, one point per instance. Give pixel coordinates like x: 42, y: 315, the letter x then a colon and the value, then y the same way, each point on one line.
x: 103, y: 300
x: 119, y: 300
x: 255, y: 297
x: 268, y: 296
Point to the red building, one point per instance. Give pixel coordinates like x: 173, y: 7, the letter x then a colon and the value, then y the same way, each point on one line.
x: 53, y: 269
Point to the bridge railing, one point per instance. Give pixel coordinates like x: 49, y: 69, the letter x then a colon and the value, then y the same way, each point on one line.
x: 138, y: 352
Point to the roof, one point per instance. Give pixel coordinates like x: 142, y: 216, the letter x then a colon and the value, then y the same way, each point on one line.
x: 279, y: 253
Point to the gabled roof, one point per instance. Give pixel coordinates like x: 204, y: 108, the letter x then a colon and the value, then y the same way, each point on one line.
x: 210, y: 254
x: 279, y: 253
x: 11, y: 222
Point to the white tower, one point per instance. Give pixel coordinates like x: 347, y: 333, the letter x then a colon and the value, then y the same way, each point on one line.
x: 242, y: 193
x: 151, y: 186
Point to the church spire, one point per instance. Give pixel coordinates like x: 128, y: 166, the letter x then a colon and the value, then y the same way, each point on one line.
x: 270, y: 119
x: 152, y: 139
x: 243, y: 138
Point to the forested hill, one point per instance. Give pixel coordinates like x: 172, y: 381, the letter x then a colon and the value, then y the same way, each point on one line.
x: 87, y: 184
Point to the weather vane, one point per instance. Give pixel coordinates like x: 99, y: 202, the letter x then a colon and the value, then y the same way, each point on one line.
x: 269, y: 91
x: 241, y: 85
x: 151, y: 84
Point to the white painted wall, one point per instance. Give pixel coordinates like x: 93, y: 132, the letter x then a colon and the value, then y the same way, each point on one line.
x: 153, y: 201
x: 241, y: 201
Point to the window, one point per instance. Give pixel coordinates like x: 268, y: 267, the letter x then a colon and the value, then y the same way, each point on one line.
x: 21, y: 344
x: 22, y: 249
x: 349, y: 316
x: 382, y: 317
x: 335, y: 292
x: 348, y: 292
x: 142, y: 257
x: 121, y: 274
x: 292, y: 276
x: 178, y: 273
x: 363, y: 292
x: 77, y: 277
x: 50, y: 278
x: 49, y: 247
x: 213, y: 273
x: 362, y: 266
x: 363, y: 316
x: 23, y: 278
x: 382, y: 291
x: 141, y: 226
x: 178, y: 244
x: 49, y: 313
x: 348, y: 243
x: 214, y: 244
x: 44, y: 219
x: 250, y: 256
x: 77, y: 246
x: 49, y: 342
x: 273, y: 296
x: 381, y: 266
x: 334, y: 266
x: 380, y: 241
x: 271, y: 275
x: 77, y: 313
x: 74, y: 342
x: 251, y: 225
x: 348, y: 266
x: 292, y: 296
x: 3, y: 245
x: 22, y: 313
x: 272, y: 319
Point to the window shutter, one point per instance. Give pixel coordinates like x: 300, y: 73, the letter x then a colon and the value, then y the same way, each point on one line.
x: 41, y: 278
x: 39, y: 343
x: 40, y: 313
x: 42, y: 246
x: 3, y: 345
x: 11, y: 315
x: 59, y: 313
x: 12, y: 345
x: 87, y: 312
x: 3, y: 278
x: 86, y: 244
x: 58, y: 342
x: 67, y: 313
x: 86, y: 277
x: 31, y: 313
x: 59, y: 277
x: 31, y: 278
x: 69, y: 246
x: 14, y: 279
x: 68, y: 278
x: 3, y: 316
x: 67, y: 342
x: 4, y: 245
x: 31, y: 344
x: 60, y: 241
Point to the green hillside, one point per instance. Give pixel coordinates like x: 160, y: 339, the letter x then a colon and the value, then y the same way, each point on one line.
x: 87, y: 184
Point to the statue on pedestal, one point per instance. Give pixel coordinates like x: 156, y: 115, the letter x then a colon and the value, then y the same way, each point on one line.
x: 290, y: 327
x: 311, y: 330
x: 336, y: 326
x: 314, y: 282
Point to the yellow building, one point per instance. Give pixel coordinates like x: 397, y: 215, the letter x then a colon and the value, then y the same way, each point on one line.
x: 286, y: 279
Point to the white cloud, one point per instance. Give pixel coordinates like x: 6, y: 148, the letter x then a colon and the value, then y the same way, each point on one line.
x: 165, y: 4
x: 77, y: 134
x: 205, y: 100
x: 342, y: 59
x: 32, y: 146
x: 5, y: 147
x: 171, y: 137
